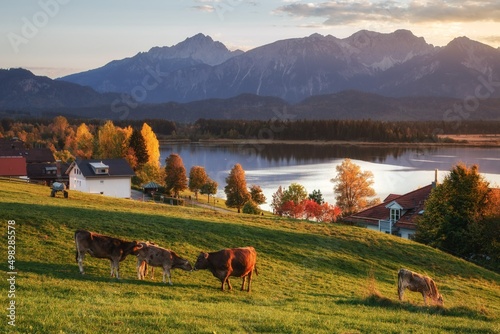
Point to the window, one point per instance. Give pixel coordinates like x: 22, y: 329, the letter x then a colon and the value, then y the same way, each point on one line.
x: 395, y: 215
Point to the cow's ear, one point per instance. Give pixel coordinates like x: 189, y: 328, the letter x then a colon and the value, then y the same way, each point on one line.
x: 205, y: 255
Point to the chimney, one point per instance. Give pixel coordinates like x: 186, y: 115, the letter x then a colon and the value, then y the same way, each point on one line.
x: 434, y: 184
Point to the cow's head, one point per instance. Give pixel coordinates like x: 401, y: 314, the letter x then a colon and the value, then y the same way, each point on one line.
x: 201, y: 261
x: 440, y: 300
x: 186, y: 265
x: 136, y: 247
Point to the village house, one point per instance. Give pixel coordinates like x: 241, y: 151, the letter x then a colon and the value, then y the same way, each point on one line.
x: 397, y: 214
x: 34, y: 164
x: 110, y: 177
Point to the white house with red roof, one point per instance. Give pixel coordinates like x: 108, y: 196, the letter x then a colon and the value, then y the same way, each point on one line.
x: 397, y: 214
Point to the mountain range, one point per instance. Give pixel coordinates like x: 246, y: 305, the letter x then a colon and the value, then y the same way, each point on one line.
x: 395, y: 76
x: 396, y: 64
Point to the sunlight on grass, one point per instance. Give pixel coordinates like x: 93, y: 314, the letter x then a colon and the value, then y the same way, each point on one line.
x: 313, y: 278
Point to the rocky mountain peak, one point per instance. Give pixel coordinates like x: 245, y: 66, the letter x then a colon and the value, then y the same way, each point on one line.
x: 199, y: 47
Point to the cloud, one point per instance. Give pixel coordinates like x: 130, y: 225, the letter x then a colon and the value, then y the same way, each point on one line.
x: 415, y: 11
x: 204, y: 8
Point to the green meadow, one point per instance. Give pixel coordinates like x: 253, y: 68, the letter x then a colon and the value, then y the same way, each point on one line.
x: 312, y: 278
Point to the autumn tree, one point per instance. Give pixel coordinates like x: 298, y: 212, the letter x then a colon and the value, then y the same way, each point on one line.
x: 295, y: 193
x: 458, y: 214
x: 277, y: 202
x: 257, y: 195
x: 236, y: 189
x: 209, y: 188
x: 197, y: 178
x: 152, y: 144
x: 109, y: 141
x: 61, y: 131
x: 353, y: 187
x: 83, y: 145
x: 175, y: 179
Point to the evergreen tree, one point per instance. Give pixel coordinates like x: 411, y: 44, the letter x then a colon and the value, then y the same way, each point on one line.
x: 317, y: 196
x: 236, y: 189
x: 138, y: 144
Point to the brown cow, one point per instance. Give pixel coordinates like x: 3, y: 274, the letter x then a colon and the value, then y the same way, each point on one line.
x: 103, y: 247
x: 156, y: 256
x: 237, y: 262
x: 418, y: 283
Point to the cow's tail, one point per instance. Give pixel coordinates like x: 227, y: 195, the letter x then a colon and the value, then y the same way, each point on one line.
x: 76, y: 245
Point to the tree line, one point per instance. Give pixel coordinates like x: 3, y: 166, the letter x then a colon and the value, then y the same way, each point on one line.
x: 351, y: 130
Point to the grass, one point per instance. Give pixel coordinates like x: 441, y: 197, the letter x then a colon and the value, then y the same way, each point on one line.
x: 313, y: 278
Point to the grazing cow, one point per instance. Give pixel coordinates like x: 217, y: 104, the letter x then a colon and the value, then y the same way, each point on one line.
x: 237, y: 262
x: 418, y: 283
x: 103, y: 247
x: 144, y: 265
x: 155, y: 256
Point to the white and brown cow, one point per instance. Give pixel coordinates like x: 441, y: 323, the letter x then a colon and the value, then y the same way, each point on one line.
x: 418, y: 283
x: 156, y: 256
x: 236, y: 262
x: 103, y: 247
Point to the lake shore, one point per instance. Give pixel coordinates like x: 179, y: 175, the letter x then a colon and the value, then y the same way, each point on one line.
x: 473, y: 140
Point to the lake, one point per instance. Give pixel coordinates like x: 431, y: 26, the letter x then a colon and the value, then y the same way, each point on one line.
x: 396, y: 170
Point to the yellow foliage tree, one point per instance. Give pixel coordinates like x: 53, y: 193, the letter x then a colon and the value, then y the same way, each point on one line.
x: 152, y: 144
x: 83, y: 145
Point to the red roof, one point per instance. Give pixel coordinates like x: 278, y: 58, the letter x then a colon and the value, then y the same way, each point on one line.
x: 12, y: 166
x: 412, y: 203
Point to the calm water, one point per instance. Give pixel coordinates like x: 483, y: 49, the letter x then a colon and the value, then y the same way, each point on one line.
x: 396, y: 170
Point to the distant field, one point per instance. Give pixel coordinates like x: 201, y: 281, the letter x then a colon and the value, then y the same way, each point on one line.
x: 313, y: 278
x: 475, y: 139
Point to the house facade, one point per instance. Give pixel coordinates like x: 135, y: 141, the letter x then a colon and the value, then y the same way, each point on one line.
x: 396, y: 215
x: 109, y: 177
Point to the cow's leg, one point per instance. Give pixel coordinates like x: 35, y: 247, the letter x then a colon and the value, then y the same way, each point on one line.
x: 423, y: 295
x: 243, y: 283
x: 229, y: 284
x: 166, y: 272
x: 249, y: 281
x: 112, y: 268
x: 79, y: 259
x: 140, y: 270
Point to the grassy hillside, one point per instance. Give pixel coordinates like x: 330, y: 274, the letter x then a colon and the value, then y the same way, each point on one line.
x: 313, y: 278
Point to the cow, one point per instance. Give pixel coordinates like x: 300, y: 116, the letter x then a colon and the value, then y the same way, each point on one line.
x: 418, y: 283
x: 144, y: 265
x: 156, y: 256
x: 103, y: 247
x: 237, y: 262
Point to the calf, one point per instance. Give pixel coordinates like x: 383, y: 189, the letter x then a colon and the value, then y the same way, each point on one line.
x: 418, y: 283
x: 156, y: 256
x: 103, y: 247
x: 237, y: 262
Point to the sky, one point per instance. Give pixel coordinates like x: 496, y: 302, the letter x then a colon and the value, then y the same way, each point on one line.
x: 60, y: 37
